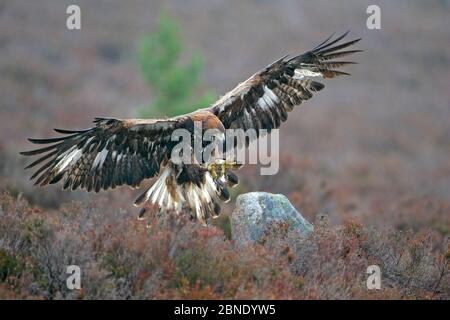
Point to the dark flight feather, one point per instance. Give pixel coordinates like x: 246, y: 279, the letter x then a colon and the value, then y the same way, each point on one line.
x: 84, y: 158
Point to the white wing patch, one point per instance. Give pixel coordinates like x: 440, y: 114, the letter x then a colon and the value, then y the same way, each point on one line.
x: 70, y: 156
x: 303, y: 73
x: 272, y: 96
x: 99, y: 159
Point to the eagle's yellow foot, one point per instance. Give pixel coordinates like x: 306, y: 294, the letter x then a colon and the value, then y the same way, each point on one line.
x: 212, y: 168
x: 219, y: 169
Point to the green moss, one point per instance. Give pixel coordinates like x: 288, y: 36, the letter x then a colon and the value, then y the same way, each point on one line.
x: 10, y: 265
x: 188, y: 266
x: 117, y: 269
x: 37, y: 230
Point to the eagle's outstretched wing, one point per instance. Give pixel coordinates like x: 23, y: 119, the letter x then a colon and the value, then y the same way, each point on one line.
x: 112, y: 153
x: 263, y: 101
x: 116, y: 152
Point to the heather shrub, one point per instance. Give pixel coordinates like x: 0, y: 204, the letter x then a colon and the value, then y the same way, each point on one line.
x: 173, y: 257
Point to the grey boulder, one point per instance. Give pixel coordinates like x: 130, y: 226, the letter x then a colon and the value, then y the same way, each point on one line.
x: 256, y: 213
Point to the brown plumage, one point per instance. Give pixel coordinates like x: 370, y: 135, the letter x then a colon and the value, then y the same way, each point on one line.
x: 115, y: 152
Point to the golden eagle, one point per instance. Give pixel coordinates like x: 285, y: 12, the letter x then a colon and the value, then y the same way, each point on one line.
x: 115, y: 152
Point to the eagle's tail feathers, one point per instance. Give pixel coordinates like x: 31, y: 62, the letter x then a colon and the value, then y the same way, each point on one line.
x: 202, y: 200
x: 153, y: 192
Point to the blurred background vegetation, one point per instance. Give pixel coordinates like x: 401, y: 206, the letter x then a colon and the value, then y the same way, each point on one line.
x: 176, y: 86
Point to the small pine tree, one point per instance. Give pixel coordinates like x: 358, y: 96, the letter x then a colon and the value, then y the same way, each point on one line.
x: 175, y: 86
